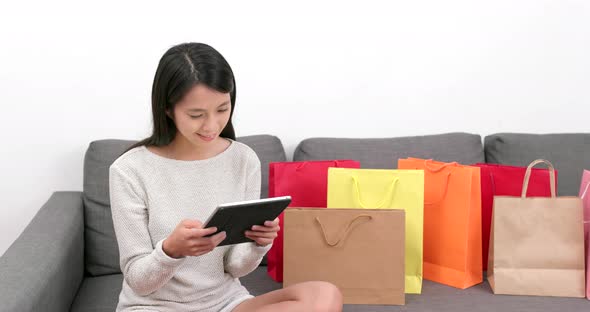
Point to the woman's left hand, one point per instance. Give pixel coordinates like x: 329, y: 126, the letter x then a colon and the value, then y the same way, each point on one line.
x: 264, y: 234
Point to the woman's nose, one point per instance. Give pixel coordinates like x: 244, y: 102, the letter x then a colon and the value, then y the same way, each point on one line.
x: 209, y: 124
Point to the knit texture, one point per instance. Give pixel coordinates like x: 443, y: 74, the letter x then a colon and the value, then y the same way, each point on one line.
x: 150, y: 195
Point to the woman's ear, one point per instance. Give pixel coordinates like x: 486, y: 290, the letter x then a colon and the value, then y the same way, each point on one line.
x: 169, y: 114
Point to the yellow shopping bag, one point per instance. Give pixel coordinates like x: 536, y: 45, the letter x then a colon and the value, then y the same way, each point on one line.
x: 386, y: 189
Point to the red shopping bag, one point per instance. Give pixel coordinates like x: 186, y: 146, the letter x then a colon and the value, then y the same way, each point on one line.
x: 503, y: 180
x: 307, y: 183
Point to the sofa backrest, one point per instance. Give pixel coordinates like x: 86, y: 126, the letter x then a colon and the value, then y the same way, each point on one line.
x: 568, y: 152
x: 101, y: 249
x: 383, y: 153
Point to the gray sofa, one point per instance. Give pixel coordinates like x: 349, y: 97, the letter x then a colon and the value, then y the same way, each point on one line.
x: 67, y: 258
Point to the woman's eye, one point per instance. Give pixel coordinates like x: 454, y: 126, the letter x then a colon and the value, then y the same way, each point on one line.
x: 223, y: 110
x: 195, y: 117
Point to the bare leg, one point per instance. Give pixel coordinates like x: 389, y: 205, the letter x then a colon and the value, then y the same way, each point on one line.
x: 308, y: 296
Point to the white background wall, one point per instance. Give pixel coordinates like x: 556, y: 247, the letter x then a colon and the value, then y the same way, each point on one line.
x: 73, y: 72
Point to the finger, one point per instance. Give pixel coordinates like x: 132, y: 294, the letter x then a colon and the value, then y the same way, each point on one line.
x: 265, y: 228
x: 218, y: 238
x: 209, y: 242
x: 203, y: 243
x: 261, y: 234
x: 198, y: 233
x: 192, y: 224
x: 202, y: 248
x: 272, y: 223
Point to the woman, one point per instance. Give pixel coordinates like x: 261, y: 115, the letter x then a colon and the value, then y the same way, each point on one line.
x: 164, y: 186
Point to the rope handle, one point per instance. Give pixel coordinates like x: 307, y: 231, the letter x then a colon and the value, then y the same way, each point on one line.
x: 349, y: 227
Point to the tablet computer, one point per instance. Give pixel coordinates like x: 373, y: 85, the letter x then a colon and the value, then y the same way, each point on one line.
x: 238, y: 217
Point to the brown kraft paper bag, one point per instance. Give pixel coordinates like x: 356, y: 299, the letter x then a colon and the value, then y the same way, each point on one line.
x: 361, y: 251
x: 537, y: 244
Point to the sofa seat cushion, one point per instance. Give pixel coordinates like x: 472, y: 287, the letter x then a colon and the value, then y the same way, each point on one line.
x: 98, y: 294
x: 101, y: 294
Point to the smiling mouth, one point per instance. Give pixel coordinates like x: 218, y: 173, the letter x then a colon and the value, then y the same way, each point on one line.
x: 206, y: 137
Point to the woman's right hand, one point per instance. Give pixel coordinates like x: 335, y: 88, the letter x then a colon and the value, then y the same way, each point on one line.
x: 188, y: 239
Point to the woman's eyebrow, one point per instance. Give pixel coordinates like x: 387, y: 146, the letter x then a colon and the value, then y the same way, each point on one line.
x: 202, y: 110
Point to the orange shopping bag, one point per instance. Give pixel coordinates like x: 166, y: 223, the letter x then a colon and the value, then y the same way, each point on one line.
x: 452, y: 222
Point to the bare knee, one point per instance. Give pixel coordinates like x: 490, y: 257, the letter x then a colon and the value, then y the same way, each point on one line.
x: 328, y: 297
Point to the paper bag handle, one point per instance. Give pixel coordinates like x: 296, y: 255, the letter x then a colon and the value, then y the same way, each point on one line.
x: 527, y: 176
x: 343, y: 235
x: 382, y: 202
x: 428, y: 165
x: 493, y: 182
x: 303, y: 163
x: 444, y: 192
x: 585, y: 191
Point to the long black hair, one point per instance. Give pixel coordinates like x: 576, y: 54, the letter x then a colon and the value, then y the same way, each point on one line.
x: 180, y: 68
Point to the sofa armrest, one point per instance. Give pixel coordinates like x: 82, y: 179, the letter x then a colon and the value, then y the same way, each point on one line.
x: 42, y: 270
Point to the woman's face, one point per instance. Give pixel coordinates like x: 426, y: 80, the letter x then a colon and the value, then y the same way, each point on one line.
x: 202, y: 114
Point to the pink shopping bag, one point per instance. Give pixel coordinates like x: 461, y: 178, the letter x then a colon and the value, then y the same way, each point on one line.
x: 585, y: 195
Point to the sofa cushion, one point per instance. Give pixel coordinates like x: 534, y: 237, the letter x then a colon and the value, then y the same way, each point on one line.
x: 100, y: 245
x: 98, y: 294
x: 383, y: 153
x: 101, y: 294
x: 269, y: 149
x: 101, y: 251
x: 568, y: 152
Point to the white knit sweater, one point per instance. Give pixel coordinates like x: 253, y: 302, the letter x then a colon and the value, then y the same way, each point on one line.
x: 150, y: 195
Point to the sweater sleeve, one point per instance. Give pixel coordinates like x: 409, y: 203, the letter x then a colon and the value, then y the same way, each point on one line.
x: 242, y: 259
x: 145, y: 267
